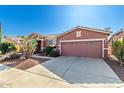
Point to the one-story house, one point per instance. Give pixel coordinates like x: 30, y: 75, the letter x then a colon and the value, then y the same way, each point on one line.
x: 11, y: 38
x: 114, y: 37
x: 78, y: 41
x: 84, y: 42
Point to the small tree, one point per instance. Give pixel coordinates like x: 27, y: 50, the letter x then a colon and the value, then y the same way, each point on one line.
x: 27, y: 46
x: 118, y: 50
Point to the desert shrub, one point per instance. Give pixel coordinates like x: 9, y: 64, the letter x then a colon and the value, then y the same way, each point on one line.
x: 10, y: 56
x: 15, y: 56
x: 18, y: 49
x: 54, y: 53
x: 48, y: 50
x: 6, y: 47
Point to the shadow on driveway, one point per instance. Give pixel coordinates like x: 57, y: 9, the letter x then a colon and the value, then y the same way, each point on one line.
x: 81, y: 70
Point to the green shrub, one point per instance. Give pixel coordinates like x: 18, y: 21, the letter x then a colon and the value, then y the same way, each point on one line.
x: 48, y: 50
x: 118, y: 50
x: 54, y: 53
x: 6, y: 47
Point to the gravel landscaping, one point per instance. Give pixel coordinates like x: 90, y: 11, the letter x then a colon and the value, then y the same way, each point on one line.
x: 116, y: 68
x: 24, y: 64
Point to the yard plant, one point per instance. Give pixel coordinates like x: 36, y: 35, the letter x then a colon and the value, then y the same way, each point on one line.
x: 6, y: 47
x: 54, y: 53
x: 0, y: 33
x: 118, y: 50
x: 48, y: 50
x: 27, y: 46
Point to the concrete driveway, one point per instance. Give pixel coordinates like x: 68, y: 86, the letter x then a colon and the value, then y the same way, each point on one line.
x: 61, y: 72
x: 77, y: 70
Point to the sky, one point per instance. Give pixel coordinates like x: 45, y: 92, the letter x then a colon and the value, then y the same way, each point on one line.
x: 49, y: 19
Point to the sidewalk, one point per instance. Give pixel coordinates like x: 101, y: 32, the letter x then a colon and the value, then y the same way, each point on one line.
x: 39, y: 56
x: 15, y: 78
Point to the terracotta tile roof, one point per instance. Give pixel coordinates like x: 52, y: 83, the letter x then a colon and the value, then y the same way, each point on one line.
x: 37, y: 34
x: 7, y: 38
x: 51, y: 36
x: 116, y: 33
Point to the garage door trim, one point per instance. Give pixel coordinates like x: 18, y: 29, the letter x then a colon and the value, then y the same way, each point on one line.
x: 101, y: 39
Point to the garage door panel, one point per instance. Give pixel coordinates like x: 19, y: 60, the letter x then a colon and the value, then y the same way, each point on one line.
x: 82, y: 49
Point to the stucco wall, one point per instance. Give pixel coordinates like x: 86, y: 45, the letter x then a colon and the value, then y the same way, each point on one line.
x: 85, y: 34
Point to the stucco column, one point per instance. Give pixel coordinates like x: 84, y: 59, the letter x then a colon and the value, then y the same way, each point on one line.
x: 103, y: 48
x: 42, y: 44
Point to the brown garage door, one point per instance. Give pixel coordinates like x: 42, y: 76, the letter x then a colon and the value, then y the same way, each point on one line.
x: 82, y: 49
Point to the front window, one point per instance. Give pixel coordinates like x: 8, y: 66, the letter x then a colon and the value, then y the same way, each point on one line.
x: 50, y: 42
x: 78, y: 34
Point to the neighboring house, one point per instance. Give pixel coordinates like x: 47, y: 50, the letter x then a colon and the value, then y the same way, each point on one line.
x: 113, y: 38
x: 41, y: 41
x: 51, y: 40
x: 10, y: 38
x: 84, y: 42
